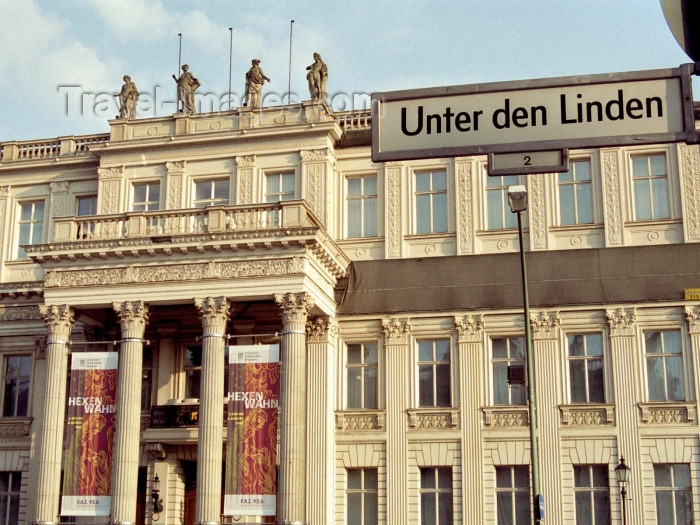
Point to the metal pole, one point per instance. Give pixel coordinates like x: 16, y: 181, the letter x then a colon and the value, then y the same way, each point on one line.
x: 289, y: 77
x: 179, y: 62
x: 532, y: 406
x: 230, y: 64
x: 623, y: 493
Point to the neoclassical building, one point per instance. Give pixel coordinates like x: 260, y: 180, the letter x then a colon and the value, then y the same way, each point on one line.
x: 394, y: 292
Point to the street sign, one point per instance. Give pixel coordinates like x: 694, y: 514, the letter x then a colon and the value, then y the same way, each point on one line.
x: 527, y: 163
x: 645, y: 107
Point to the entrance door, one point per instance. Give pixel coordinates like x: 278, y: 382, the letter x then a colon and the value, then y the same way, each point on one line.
x: 190, y: 499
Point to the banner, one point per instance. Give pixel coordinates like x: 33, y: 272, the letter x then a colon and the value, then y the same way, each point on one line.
x: 90, y: 434
x: 251, y: 452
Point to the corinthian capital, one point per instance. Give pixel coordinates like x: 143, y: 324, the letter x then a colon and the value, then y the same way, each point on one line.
x: 213, y: 310
x: 396, y: 330
x: 321, y: 329
x: 469, y: 328
x: 295, y: 307
x: 621, y: 321
x: 133, y: 315
x: 692, y: 315
x: 544, y: 325
x: 58, y: 318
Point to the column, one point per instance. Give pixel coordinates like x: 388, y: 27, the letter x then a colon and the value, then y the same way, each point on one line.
x: 628, y: 382
x: 398, y: 373
x: 132, y: 316
x: 291, y: 491
x: 472, y: 397
x: 49, y: 445
x: 214, y: 312
x: 545, y: 336
x: 321, y: 347
x: 692, y: 315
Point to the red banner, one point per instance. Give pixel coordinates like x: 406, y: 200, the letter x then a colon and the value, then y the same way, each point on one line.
x: 251, y: 452
x: 90, y: 434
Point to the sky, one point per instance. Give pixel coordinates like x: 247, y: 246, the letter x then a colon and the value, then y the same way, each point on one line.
x: 62, y: 62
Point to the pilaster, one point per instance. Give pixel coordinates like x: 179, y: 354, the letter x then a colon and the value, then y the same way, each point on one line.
x: 321, y: 337
x: 214, y: 313
x: 133, y: 316
x: 175, y: 172
x: 4, y: 193
x: 49, y: 446
x: 464, y: 207
x: 626, y: 378
x: 545, y: 335
x: 291, y: 491
x: 612, y: 199
x: 316, y: 177
x: 59, y: 202
x: 398, y: 369
x: 109, y: 189
x: 536, y: 213
x: 245, y: 173
x: 689, y: 165
x: 692, y: 316
x: 470, y: 341
x: 393, y: 235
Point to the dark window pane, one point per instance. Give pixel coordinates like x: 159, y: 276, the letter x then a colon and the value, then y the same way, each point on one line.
x: 425, y: 385
x: 596, y: 386
x: 370, y: 388
x: 354, y: 508
x: 443, y: 385
x: 445, y: 508
x: 577, y: 376
x: 428, y: 514
x: 354, y: 478
x: 371, y: 478
x: 601, y: 501
x: 371, y: 508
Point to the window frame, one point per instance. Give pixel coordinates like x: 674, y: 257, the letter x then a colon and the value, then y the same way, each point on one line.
x: 78, y: 198
x: 670, y: 195
x: 592, y: 489
x: 604, y: 362
x: 4, y: 378
x: 279, y: 173
x: 362, y: 198
x: 448, y: 192
x: 364, y: 492
x: 683, y: 354
x: 10, y: 495
x: 504, y: 207
x: 211, y: 201
x: 17, y: 251
x: 513, y: 491
x: 509, y: 360
x: 435, y: 492
x: 592, y: 188
x: 452, y: 365
x: 363, y: 367
x: 148, y: 203
x: 673, y: 489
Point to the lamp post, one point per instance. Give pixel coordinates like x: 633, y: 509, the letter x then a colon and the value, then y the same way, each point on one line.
x: 157, y: 501
x: 517, y: 200
x: 622, y: 471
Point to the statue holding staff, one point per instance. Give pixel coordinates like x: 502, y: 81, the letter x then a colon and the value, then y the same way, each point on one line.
x: 187, y: 84
x: 254, y: 80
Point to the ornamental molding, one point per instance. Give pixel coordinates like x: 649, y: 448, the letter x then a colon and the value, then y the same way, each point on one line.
x: 587, y: 415
x: 537, y: 212
x: 13, y: 429
x: 175, y: 272
x: 245, y: 161
x: 20, y: 313
x: 690, y: 173
x: 359, y: 420
x: 295, y: 307
x: 110, y: 197
x: 393, y: 204
x: 544, y: 325
x: 321, y: 329
x: 314, y: 155
x: 692, y: 315
x: 58, y: 319
x: 110, y: 173
x: 4, y: 191
x: 611, y: 191
x: 507, y: 417
x: 396, y: 330
x: 470, y: 328
x: 214, y: 311
x: 176, y: 167
x: 174, y: 191
x: 464, y: 207
x: 314, y: 190
x: 667, y: 413
x: 60, y: 186
x: 132, y: 315
x: 621, y: 321
x: 435, y: 419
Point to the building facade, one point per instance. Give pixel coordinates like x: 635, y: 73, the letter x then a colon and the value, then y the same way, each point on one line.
x: 394, y: 292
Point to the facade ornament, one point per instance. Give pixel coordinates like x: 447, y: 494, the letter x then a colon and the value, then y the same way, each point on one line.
x: 128, y: 97
x: 317, y: 76
x: 245, y: 161
x: 254, y: 80
x: 176, y: 167
x: 321, y: 329
x: 60, y: 186
x: 621, y: 321
x: 39, y: 347
x: 19, y: 313
x: 295, y: 306
x: 156, y: 451
x: 544, y: 325
x: 396, y: 330
x: 611, y: 191
x: 213, y: 309
x: 469, y: 328
x: 187, y: 84
x: 133, y: 315
x: 110, y: 173
x: 4, y: 191
x: 313, y: 155
x: 692, y: 315
x: 58, y: 319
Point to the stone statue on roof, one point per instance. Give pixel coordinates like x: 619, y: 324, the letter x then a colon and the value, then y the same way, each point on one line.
x: 254, y: 80
x: 128, y: 97
x: 187, y: 84
x: 317, y: 76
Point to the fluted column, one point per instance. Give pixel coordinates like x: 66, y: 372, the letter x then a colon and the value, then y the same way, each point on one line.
x: 398, y: 371
x: 214, y: 312
x: 291, y: 491
x: 49, y: 444
x: 321, y: 336
x: 133, y: 316
x: 545, y: 335
x: 628, y: 383
x: 470, y: 338
x: 692, y: 315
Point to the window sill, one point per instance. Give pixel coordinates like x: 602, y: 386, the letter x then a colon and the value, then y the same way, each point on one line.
x: 434, y: 418
x: 587, y: 414
x: 506, y: 416
x: 15, y: 427
x: 668, y: 412
x: 359, y: 420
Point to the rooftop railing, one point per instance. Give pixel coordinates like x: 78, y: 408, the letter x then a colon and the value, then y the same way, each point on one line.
x: 49, y: 148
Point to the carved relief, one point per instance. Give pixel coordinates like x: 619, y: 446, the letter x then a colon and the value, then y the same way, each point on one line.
x: 110, y: 197
x: 245, y: 161
x: 60, y: 186
x: 611, y: 190
x: 433, y: 420
x: 538, y: 223
x: 321, y: 329
x: 393, y: 209
x: 396, y: 330
x: 359, y: 421
x: 586, y: 416
x: 469, y: 328
x: 110, y: 173
x: 174, y: 192
x: 690, y: 172
x: 15, y: 429
x: 133, y: 315
x: 313, y: 155
x: 464, y: 207
x: 544, y: 325
x: 175, y: 168
x: 314, y: 187
x: 692, y: 315
x: 505, y: 418
x: 244, y: 179
x: 621, y: 321
x: 19, y: 313
x: 4, y: 191
x: 295, y: 307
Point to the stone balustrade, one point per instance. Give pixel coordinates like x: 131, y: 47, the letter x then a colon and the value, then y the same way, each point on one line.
x: 49, y: 148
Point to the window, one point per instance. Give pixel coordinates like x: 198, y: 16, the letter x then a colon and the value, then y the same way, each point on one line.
x: 499, y: 215
x: 31, y: 225
x: 434, y: 373
x: 147, y: 378
x: 211, y: 193
x: 362, y: 496
x: 664, y: 365
x: 431, y: 202
x: 10, y: 488
x: 674, y: 497
x: 574, y: 186
x: 362, y: 206
x: 436, y: 496
x: 147, y: 197
x: 87, y: 205
x: 650, y: 184
x: 193, y: 371
x: 280, y: 187
x: 505, y: 352
x: 592, y: 493
x: 586, y: 368
x: 513, y: 495
x: 362, y: 375
x: 17, y: 372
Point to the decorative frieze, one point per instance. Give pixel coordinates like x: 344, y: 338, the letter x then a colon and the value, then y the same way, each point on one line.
x: 544, y: 325
x: 176, y: 167
x: 587, y: 415
x: 470, y: 328
x: 110, y: 173
x: 321, y: 329
x: 433, y: 419
x: 110, y: 197
x: 359, y: 420
x: 505, y: 417
x: 396, y: 330
x: 667, y: 413
x: 20, y: 313
x: 15, y: 429
x: 313, y: 155
x: 621, y: 321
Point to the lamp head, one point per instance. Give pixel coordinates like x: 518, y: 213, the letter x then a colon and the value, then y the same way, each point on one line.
x: 622, y: 471
x: 517, y: 198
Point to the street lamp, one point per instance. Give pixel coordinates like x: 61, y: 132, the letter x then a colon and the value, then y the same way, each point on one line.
x: 622, y: 471
x: 157, y: 501
x: 517, y: 200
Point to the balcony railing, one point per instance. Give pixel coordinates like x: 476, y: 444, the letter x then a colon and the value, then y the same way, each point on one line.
x: 172, y: 223
x: 49, y: 148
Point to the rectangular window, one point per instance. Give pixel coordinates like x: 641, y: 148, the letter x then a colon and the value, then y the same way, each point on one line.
x: 513, y: 495
x: 16, y: 375
x: 674, y: 496
x: 664, y: 359
x: 146, y: 197
x: 211, y: 193
x: 31, y: 225
x: 362, y: 365
x: 87, y: 205
x: 10, y: 489
x: 574, y: 186
x: 362, y: 206
x: 592, y: 494
x: 505, y: 352
x: 586, y: 368
x: 434, y: 373
x: 362, y: 496
x: 193, y: 371
x: 147, y: 378
x: 436, y: 496
x: 431, y: 202
x: 498, y: 211
x: 650, y: 184
x: 280, y: 187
